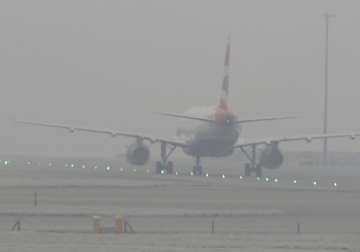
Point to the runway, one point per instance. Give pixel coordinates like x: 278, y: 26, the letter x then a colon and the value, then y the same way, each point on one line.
x: 174, y: 213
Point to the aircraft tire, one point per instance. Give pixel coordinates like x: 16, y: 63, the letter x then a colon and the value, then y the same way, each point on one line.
x: 258, y: 171
x: 170, y: 168
x: 158, y: 168
x: 198, y: 170
x: 247, y: 170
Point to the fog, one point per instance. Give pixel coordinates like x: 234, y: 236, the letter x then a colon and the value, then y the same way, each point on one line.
x: 110, y: 64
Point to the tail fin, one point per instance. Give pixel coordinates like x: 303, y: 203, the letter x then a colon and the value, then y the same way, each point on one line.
x: 225, y: 83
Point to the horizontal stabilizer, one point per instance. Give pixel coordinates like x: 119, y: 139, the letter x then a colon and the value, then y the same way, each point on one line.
x: 265, y: 119
x: 237, y: 121
x: 186, y: 117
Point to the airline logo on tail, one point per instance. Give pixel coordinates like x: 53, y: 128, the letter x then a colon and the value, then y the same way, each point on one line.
x: 223, y: 114
x: 225, y: 83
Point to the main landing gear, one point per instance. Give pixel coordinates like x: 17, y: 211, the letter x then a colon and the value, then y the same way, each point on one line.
x: 164, y: 166
x: 198, y: 169
x: 252, y: 166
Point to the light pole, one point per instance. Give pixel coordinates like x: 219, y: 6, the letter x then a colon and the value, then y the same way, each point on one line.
x: 326, y: 71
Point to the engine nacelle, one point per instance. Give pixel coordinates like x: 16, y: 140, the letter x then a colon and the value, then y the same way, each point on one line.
x: 138, y: 154
x: 271, y: 157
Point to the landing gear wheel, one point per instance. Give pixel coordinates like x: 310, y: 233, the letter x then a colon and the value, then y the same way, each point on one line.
x: 258, y: 171
x: 170, y: 168
x: 161, y: 168
x: 247, y: 170
x: 198, y: 170
x: 164, y: 166
x: 158, y: 168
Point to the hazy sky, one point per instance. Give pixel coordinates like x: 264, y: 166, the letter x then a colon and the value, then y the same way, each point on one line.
x: 110, y: 64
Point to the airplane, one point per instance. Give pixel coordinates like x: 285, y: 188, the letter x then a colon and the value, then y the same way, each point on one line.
x: 216, y: 135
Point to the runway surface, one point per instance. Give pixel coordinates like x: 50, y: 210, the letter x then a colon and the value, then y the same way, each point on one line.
x: 175, y: 213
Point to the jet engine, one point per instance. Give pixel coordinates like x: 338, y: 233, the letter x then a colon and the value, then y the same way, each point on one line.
x: 271, y: 157
x: 138, y: 153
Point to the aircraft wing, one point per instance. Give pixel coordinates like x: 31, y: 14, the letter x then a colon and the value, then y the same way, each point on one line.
x: 306, y: 138
x: 71, y: 129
